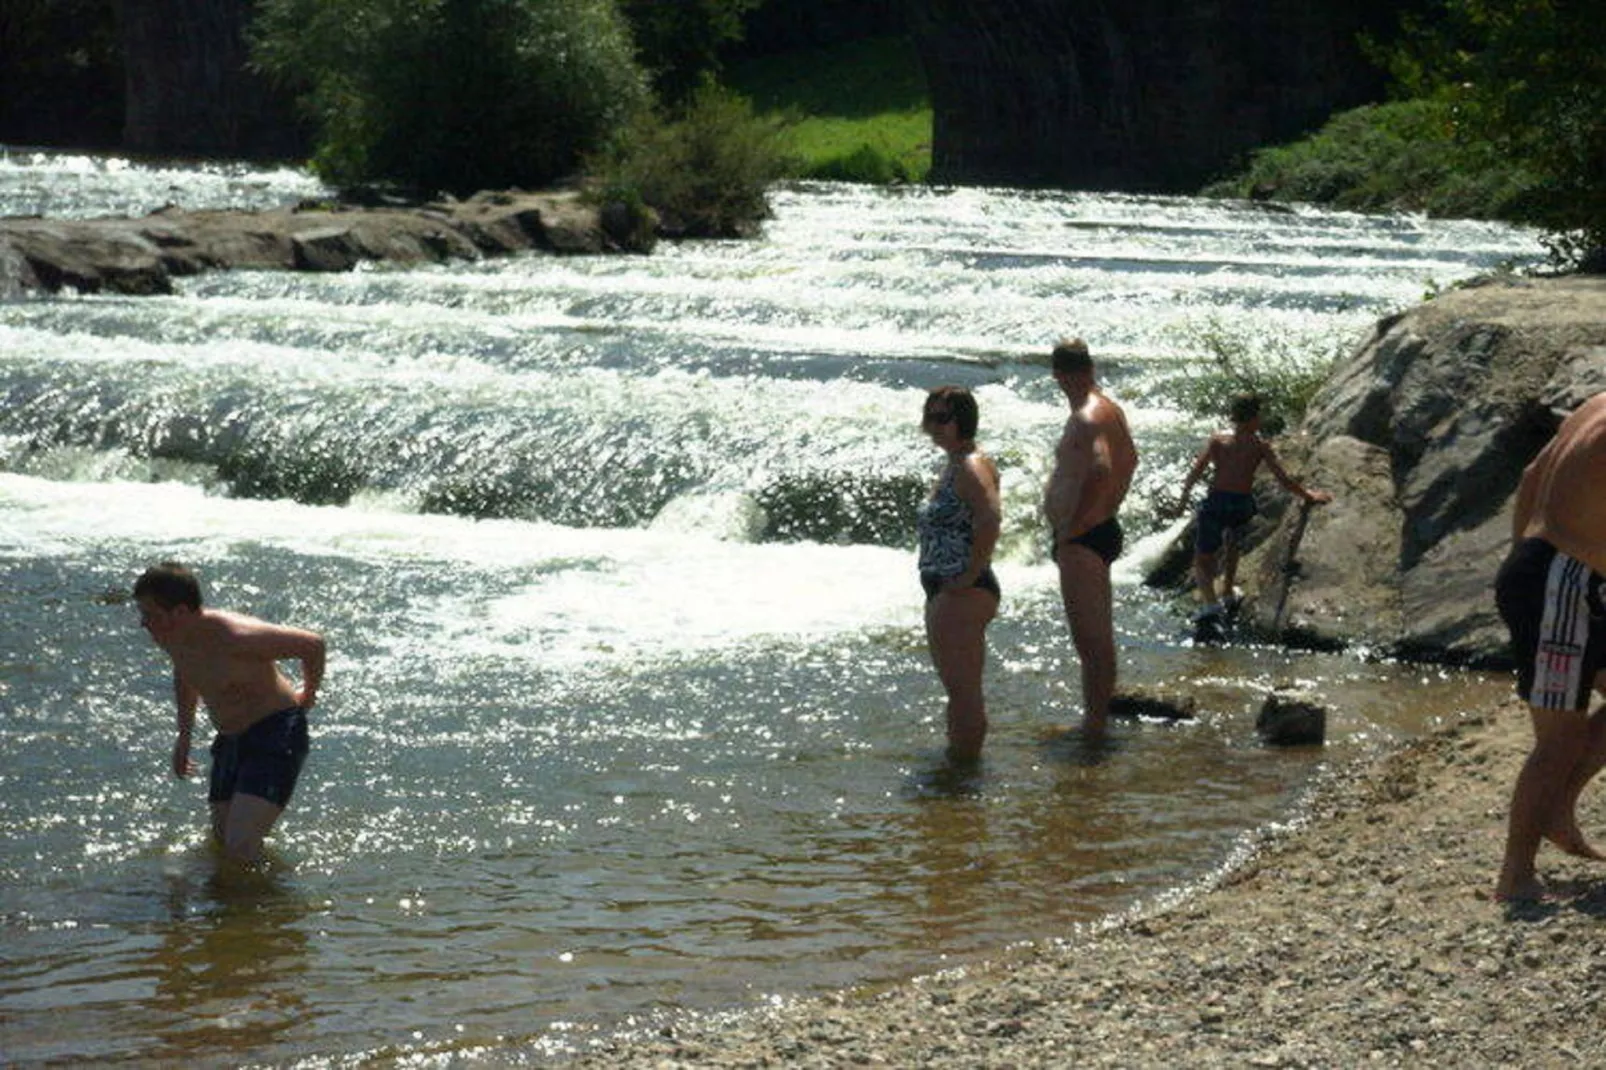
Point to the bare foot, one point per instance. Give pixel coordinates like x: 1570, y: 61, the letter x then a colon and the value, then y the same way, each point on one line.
x: 1528, y: 891
x: 1571, y: 840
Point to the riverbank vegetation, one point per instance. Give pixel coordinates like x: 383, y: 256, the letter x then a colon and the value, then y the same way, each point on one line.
x: 857, y: 111
x: 456, y: 96
x: 704, y: 168
x: 1285, y: 369
x: 1502, y: 116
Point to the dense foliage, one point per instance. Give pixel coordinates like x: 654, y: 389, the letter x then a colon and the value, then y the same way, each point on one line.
x: 679, y: 43
x: 454, y: 95
x: 705, y: 169
x: 1400, y: 156
x: 1527, y: 78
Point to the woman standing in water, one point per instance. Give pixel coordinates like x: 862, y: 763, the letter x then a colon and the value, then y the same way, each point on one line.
x: 958, y: 530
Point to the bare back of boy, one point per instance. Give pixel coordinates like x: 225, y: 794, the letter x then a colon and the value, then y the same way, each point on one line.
x: 1236, y: 457
x: 230, y: 661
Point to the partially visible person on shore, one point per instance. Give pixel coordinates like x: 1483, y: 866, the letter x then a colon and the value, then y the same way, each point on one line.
x: 959, y: 526
x: 1551, y: 593
x: 1093, y: 466
x: 230, y: 661
x: 1229, y: 504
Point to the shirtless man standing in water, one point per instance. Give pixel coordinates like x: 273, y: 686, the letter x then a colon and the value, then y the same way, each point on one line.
x: 1552, y: 596
x: 229, y: 660
x: 1093, y: 466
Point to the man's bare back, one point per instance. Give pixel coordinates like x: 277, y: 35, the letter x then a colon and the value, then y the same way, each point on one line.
x: 1563, y: 496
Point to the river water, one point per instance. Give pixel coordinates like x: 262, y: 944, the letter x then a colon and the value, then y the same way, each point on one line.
x: 628, y: 712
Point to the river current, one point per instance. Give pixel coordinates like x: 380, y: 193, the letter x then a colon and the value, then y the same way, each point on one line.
x: 628, y: 711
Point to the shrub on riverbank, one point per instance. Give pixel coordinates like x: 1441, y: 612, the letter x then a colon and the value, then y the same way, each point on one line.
x: 1401, y: 156
x: 705, y: 171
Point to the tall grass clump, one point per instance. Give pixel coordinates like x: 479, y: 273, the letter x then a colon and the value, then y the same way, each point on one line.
x: 1284, y: 368
x: 706, y: 169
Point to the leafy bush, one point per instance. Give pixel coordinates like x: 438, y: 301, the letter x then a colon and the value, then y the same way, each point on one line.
x: 1401, y: 156
x: 706, y: 172
x: 454, y: 95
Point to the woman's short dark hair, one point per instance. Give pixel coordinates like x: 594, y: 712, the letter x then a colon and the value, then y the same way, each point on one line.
x: 169, y: 584
x: 960, y: 402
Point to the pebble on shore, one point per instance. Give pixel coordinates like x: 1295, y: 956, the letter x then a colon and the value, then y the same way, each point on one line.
x: 1363, y: 937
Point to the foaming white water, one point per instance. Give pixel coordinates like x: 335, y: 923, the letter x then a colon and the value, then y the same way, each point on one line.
x: 570, y: 595
x: 65, y: 184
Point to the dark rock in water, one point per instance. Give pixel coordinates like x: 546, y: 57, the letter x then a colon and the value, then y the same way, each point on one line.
x: 1157, y: 704
x: 142, y: 256
x: 1288, y: 719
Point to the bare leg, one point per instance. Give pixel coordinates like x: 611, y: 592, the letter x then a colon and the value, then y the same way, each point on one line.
x: 249, y: 818
x: 1560, y: 738
x: 1229, y: 563
x: 1563, y: 830
x: 1085, y: 588
x: 956, y: 628
x: 1204, y: 576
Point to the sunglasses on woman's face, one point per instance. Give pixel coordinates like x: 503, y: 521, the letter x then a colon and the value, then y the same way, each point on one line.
x: 937, y: 416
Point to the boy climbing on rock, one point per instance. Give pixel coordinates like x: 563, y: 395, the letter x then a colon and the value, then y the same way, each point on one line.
x: 1230, y: 503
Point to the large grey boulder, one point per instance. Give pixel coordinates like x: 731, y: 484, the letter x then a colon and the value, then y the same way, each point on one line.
x: 1422, y: 437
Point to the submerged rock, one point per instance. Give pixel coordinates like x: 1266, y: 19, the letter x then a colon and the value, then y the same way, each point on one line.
x: 1291, y: 719
x: 1154, y: 702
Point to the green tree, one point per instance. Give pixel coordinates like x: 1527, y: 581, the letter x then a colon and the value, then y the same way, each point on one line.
x: 679, y: 43
x: 454, y: 95
x: 1528, y: 78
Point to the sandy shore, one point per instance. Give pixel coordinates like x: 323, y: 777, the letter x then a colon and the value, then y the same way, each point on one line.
x: 1363, y: 937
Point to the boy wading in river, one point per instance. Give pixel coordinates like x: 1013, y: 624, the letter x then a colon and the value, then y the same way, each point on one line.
x: 230, y: 661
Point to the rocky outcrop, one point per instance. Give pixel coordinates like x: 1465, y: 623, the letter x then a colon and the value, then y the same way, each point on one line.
x: 143, y: 256
x: 1422, y: 437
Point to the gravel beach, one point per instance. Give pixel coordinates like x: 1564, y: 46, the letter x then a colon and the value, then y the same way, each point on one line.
x: 1364, y: 936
